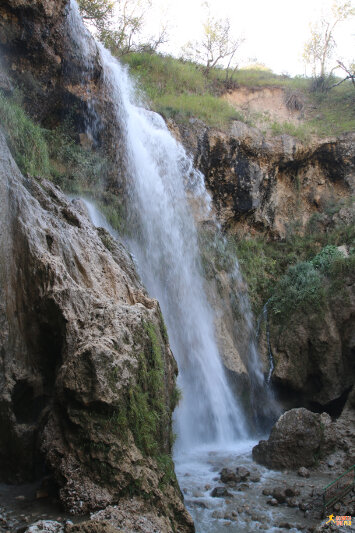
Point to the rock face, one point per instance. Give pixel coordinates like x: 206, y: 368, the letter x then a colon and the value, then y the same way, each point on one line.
x: 298, y: 439
x: 314, y: 352
x: 263, y: 185
x: 87, y: 375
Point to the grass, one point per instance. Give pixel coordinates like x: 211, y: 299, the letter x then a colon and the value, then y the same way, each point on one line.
x: 56, y: 155
x: 27, y: 140
x: 178, y: 89
x: 210, y: 109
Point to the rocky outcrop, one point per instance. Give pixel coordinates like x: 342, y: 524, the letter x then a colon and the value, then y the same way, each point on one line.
x: 261, y: 184
x: 313, y: 352
x: 87, y: 375
x: 298, y: 439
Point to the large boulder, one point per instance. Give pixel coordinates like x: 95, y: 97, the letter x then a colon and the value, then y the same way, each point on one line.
x: 299, y: 438
x: 87, y: 376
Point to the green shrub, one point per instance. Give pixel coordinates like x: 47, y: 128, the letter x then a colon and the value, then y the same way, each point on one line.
x: 325, y: 257
x: 27, y: 140
x: 300, y: 289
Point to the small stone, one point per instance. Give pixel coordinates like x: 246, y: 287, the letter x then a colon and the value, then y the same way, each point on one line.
x: 254, y: 477
x: 208, y: 487
x: 267, y: 492
x: 242, y: 472
x: 285, y: 525
x: 292, y: 502
x: 303, y: 506
x: 217, y: 514
x: 303, y: 472
x: 220, y: 492
x: 290, y: 492
x: 272, y: 502
x: 228, y: 476
x: 279, y: 494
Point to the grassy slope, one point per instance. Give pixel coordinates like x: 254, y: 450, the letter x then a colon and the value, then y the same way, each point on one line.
x: 178, y: 89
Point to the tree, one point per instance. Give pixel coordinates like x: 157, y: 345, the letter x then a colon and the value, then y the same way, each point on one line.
x: 97, y: 12
x: 119, y: 24
x: 216, y: 46
x: 318, y: 50
x: 349, y: 70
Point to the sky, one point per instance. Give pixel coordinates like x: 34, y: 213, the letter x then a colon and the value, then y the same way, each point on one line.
x: 274, y: 30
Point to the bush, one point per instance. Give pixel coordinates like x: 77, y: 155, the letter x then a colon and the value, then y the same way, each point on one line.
x: 300, y: 289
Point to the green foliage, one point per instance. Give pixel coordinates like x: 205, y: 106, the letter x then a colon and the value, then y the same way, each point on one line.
x: 147, y: 415
x: 300, y: 289
x: 325, y: 257
x: 178, y: 89
x: 27, y: 140
x: 210, y: 109
x: 166, y: 465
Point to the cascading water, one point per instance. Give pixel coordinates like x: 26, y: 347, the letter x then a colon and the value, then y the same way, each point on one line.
x: 163, y: 240
x: 164, y: 244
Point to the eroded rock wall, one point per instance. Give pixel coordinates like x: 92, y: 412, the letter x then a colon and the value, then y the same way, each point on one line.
x: 87, y: 375
x: 263, y: 185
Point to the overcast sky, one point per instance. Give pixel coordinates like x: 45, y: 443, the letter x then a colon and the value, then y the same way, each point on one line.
x: 274, y: 30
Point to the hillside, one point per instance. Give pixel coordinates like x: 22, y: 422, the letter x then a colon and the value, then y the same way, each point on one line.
x: 274, y: 103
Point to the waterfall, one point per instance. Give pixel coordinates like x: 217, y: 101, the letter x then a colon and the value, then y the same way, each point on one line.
x: 164, y: 243
x: 163, y: 240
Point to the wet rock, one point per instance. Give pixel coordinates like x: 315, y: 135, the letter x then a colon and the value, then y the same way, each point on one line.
x: 254, y: 477
x: 220, y: 492
x: 279, y: 494
x: 242, y: 472
x: 303, y: 506
x: 303, y: 472
x: 267, y: 491
x: 218, y: 515
x: 292, y: 491
x: 273, y: 502
x: 243, y: 486
x: 49, y: 526
x: 292, y: 502
x: 228, y: 476
x: 285, y: 525
x: 297, y: 439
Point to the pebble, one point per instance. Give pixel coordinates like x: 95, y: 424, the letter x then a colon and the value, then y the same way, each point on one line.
x: 303, y: 472
x: 272, y: 502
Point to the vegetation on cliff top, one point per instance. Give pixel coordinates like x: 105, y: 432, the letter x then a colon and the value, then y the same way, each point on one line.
x: 178, y: 89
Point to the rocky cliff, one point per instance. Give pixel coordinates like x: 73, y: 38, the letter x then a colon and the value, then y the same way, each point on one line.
x: 265, y: 185
x: 87, y: 379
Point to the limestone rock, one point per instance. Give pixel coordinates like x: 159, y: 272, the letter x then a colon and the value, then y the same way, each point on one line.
x: 299, y: 438
x: 261, y: 184
x: 78, y: 335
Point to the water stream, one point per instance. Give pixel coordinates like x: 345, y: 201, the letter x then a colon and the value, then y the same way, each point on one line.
x: 163, y: 240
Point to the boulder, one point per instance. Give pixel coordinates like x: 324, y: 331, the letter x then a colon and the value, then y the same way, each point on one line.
x: 299, y: 438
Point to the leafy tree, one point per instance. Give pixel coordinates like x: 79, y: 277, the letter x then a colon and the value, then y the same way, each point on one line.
x: 319, y: 49
x: 97, y: 12
x: 120, y: 23
x: 216, y: 46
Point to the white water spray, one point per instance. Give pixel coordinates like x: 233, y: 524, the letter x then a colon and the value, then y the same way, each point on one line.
x: 164, y: 244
